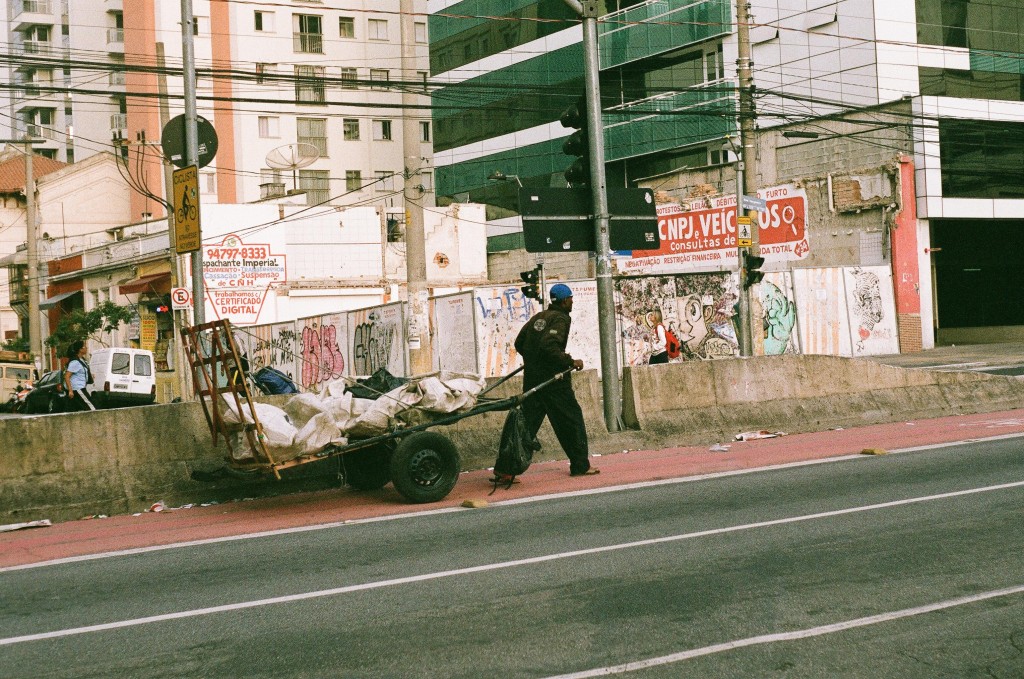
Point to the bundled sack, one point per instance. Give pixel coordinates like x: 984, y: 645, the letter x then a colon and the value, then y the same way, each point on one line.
x: 319, y: 432
x: 278, y: 431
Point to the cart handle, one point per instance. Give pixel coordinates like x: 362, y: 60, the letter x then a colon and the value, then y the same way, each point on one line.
x: 502, y: 380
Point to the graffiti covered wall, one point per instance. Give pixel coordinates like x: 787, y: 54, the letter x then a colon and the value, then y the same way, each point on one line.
x: 500, y: 313
x: 272, y: 345
x: 697, y: 308
x: 377, y: 340
x: 871, y: 307
x: 323, y: 343
x: 778, y: 315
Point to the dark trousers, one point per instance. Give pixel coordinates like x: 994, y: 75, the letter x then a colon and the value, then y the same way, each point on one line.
x: 661, y: 357
x: 558, y: 403
x: 78, y: 403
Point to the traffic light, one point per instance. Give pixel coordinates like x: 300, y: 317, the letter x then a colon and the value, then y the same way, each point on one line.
x: 532, y: 280
x: 577, y: 144
x: 752, y: 274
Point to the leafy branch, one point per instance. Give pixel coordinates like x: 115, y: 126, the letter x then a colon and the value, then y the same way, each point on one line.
x: 82, y: 325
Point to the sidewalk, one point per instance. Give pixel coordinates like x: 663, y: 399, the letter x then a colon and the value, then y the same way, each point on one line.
x: 94, y: 536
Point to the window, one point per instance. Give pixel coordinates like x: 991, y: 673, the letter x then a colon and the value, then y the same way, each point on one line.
x: 351, y: 128
x: 424, y: 130
x: 349, y: 76
x: 382, y: 130
x: 270, y: 127
x: 379, y: 75
x: 264, y: 21
x: 421, y: 32
x: 377, y: 29
x: 263, y: 71
x: 427, y: 180
x: 316, y: 184
x: 143, y: 365
x: 423, y: 76
x: 385, y: 180
x: 353, y: 180
x: 308, y: 33
x: 208, y: 182
x: 313, y: 131
x: 309, y: 84
x: 346, y: 27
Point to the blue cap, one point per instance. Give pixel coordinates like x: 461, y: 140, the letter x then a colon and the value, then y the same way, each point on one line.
x: 560, y: 291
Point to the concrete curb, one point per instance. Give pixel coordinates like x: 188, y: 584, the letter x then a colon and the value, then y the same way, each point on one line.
x: 122, y: 461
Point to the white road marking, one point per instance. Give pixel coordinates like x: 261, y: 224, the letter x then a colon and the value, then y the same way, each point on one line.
x: 335, y: 591
x: 791, y: 636
x: 518, y: 501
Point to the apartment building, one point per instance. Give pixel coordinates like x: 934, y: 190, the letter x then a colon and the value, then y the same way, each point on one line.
x: 925, y: 96
x: 304, y: 95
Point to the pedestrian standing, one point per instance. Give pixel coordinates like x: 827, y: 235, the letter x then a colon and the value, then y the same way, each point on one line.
x: 660, y: 340
x: 76, y: 376
x: 541, y: 343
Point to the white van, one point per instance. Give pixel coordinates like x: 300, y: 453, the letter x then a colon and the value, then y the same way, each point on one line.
x: 122, y: 377
x: 12, y: 375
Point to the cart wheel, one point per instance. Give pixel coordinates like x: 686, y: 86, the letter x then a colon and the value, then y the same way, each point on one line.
x: 425, y: 467
x: 367, y: 469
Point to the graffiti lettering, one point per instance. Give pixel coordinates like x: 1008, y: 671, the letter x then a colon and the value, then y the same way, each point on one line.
x: 322, y: 360
x: 371, y: 349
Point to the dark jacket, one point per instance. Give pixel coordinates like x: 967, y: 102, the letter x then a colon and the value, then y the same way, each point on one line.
x: 541, y: 342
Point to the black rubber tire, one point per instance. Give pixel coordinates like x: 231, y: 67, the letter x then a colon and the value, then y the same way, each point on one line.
x: 367, y: 469
x: 425, y: 467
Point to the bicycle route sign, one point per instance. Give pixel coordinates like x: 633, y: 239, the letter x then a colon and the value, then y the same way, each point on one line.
x: 187, y: 237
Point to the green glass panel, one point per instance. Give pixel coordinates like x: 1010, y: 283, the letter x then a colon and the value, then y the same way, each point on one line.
x: 996, y: 62
x: 658, y: 27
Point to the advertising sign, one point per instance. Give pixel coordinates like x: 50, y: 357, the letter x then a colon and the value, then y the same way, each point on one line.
x: 700, y: 235
x: 237, y: 276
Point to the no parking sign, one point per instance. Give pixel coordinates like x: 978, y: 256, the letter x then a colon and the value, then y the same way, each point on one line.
x: 181, y: 299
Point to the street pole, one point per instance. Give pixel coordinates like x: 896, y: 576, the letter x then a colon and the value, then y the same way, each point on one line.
x: 746, y: 167
x: 35, y: 336
x: 188, y: 72
x: 421, y: 355
x: 589, y: 10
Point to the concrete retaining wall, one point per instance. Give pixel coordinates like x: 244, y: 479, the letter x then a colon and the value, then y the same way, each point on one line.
x: 121, y: 461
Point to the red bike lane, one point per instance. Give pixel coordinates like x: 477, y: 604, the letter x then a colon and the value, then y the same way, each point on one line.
x: 309, y: 510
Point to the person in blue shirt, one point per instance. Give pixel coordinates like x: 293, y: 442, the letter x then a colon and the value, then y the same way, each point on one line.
x: 76, y: 377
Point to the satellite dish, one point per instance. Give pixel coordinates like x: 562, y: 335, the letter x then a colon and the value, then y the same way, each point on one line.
x: 292, y: 157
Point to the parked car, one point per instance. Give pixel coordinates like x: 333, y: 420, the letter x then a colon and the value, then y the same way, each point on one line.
x: 45, y: 397
x: 122, y: 376
x: 14, y: 375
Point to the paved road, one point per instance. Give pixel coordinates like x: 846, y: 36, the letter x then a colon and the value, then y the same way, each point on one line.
x: 994, y: 359
x: 687, y: 577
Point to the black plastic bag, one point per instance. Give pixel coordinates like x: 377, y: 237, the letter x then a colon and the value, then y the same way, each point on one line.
x: 372, y: 387
x: 515, y: 450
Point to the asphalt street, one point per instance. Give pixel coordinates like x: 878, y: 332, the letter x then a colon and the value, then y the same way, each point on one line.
x: 904, y: 565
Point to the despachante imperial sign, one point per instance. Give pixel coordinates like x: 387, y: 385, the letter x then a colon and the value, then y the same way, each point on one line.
x: 238, y: 275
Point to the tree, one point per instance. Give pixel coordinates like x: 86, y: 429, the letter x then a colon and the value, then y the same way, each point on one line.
x: 81, y: 325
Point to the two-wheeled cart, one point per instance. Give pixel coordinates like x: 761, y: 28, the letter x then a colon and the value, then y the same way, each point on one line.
x: 423, y: 465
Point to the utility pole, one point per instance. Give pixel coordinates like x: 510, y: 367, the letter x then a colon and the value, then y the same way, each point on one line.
x: 188, y: 72
x: 746, y: 167
x: 421, y: 355
x: 35, y: 333
x: 35, y: 336
x: 612, y: 391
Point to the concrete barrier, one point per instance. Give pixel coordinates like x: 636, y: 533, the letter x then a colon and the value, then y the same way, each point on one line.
x: 63, y: 467
x: 709, y: 401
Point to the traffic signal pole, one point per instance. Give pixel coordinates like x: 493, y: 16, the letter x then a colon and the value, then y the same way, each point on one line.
x: 188, y: 72
x: 746, y: 169
x: 589, y: 10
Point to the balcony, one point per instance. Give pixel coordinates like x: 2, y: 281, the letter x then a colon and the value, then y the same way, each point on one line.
x: 28, y: 13
x: 659, y: 26
x: 309, y: 42
x: 39, y: 48
x: 115, y: 40
x: 117, y: 78
x: 661, y: 123
x: 271, y: 190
